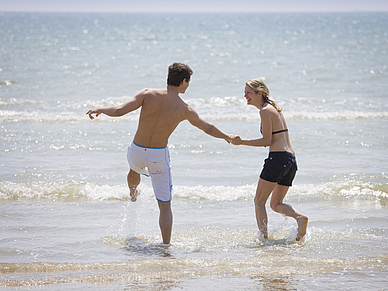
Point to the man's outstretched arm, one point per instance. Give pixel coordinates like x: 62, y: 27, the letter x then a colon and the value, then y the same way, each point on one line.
x: 208, y: 128
x: 119, y: 110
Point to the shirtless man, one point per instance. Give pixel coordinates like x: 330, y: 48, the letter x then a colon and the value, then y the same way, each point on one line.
x: 161, y: 112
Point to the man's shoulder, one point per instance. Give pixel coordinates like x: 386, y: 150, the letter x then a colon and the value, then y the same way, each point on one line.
x: 152, y: 91
x: 151, y: 94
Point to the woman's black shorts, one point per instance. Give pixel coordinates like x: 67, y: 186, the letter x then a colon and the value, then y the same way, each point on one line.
x: 279, y: 167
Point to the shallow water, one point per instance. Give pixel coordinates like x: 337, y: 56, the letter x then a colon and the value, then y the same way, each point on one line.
x: 66, y: 223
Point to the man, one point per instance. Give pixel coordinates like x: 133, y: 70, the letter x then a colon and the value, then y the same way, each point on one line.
x: 161, y: 112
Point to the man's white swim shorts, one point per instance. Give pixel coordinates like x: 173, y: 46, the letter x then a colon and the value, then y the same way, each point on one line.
x: 153, y: 162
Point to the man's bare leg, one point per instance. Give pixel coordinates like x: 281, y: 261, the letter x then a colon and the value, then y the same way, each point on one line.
x: 278, y: 206
x: 133, y: 180
x: 165, y: 221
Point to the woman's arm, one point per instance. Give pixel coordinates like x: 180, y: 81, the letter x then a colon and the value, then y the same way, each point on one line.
x: 266, y: 131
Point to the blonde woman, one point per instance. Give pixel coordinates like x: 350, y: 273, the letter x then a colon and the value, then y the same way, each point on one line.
x: 280, y: 167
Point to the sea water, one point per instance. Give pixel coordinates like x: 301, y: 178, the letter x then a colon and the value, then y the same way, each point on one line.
x: 66, y: 222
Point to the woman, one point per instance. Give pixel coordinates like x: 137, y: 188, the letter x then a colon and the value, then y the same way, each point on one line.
x: 280, y: 167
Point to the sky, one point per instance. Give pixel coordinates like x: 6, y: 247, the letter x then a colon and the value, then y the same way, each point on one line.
x: 194, y: 5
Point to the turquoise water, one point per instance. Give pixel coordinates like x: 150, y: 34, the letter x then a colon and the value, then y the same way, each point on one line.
x: 65, y: 219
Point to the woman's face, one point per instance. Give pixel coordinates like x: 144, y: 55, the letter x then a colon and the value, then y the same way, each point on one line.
x: 252, y: 97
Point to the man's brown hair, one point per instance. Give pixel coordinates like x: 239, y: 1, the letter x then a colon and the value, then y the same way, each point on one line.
x: 177, y: 72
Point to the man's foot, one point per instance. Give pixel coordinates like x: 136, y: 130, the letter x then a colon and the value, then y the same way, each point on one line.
x: 302, y: 227
x: 134, y: 194
x: 165, y: 245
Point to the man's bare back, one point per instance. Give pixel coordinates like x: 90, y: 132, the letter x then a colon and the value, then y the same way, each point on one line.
x: 161, y: 112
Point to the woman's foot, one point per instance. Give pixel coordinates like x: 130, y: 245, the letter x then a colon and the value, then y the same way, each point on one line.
x: 302, y: 226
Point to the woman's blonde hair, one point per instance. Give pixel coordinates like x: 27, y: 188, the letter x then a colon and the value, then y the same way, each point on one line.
x: 258, y: 85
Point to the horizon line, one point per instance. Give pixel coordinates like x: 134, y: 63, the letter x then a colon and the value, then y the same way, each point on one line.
x: 192, y: 12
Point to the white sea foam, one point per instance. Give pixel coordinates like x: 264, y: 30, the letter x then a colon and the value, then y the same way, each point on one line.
x: 73, y: 190
x: 230, y: 114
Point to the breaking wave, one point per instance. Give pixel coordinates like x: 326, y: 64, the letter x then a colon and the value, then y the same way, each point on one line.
x: 74, y: 191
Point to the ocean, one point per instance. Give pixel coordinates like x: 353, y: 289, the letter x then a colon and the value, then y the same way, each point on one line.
x: 66, y: 222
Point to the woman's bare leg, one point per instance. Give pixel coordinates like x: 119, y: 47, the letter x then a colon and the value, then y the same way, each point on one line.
x: 277, y: 205
x: 264, y: 189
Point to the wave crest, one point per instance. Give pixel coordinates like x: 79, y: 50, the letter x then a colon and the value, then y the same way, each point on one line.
x: 75, y: 190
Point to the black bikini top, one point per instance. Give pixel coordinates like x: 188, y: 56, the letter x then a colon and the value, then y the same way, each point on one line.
x: 279, y: 131
x: 275, y: 132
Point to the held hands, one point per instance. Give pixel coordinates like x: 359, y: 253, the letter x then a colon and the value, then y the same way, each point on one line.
x: 234, y: 139
x: 93, y: 111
